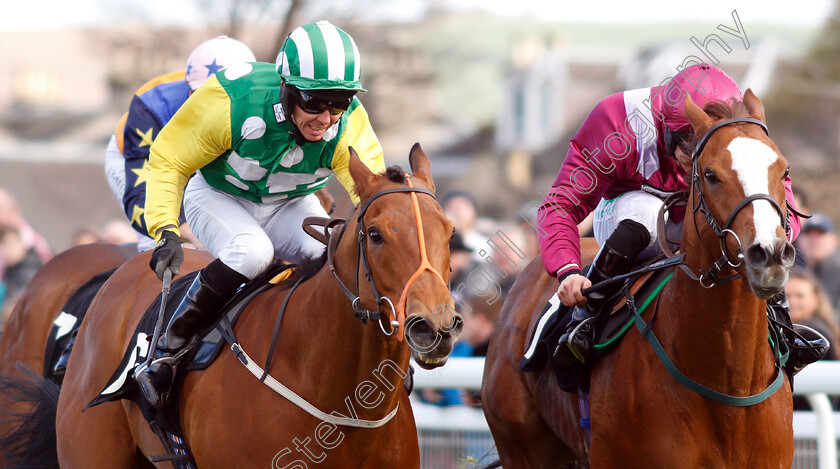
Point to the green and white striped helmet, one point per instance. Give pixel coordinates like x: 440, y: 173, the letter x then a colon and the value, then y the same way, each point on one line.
x: 320, y: 56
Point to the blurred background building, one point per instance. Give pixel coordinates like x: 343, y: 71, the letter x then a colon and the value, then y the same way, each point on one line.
x: 493, y: 95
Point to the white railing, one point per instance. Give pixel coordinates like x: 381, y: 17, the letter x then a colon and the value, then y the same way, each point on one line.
x: 815, y: 383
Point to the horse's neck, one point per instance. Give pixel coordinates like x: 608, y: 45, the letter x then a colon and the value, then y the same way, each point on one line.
x: 345, y: 354
x: 713, y: 331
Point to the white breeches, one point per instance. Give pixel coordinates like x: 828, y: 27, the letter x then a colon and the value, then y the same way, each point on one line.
x: 247, y: 236
x: 640, y: 207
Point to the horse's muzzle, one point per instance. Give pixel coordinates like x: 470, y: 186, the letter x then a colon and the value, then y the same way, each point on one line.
x: 431, y: 344
x: 768, y: 266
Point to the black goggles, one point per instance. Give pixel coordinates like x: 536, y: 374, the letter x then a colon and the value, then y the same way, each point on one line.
x: 312, y: 103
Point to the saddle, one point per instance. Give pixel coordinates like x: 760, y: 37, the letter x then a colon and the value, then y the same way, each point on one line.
x: 638, y: 292
x: 121, y: 385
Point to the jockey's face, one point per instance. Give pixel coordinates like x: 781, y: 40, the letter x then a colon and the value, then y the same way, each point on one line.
x: 313, y: 126
x: 683, y: 158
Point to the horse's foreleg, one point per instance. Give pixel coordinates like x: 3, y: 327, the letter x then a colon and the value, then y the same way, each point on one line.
x: 536, y: 449
x: 522, y: 438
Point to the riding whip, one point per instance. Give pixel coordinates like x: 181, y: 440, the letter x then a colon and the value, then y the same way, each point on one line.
x: 167, y: 282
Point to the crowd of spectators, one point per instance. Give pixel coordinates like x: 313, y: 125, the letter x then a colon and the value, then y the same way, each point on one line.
x: 486, y: 255
x: 23, y: 250
x: 818, y: 266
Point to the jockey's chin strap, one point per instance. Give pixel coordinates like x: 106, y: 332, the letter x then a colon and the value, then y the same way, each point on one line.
x: 397, y: 316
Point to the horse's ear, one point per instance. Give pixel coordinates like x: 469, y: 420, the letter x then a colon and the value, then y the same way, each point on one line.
x: 753, y: 105
x: 362, y: 176
x: 698, y: 118
x: 421, y: 168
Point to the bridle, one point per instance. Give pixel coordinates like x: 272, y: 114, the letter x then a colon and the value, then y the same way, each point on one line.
x: 397, y: 316
x: 711, y: 275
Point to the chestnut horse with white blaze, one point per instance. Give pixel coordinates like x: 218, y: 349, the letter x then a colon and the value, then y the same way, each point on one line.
x: 715, y: 335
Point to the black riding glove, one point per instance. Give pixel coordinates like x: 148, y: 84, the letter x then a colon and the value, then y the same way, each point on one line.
x: 168, y: 253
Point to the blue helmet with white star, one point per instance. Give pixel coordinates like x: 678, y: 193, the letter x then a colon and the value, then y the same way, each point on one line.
x: 214, y: 55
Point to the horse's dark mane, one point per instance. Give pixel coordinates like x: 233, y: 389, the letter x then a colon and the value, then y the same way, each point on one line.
x: 309, y: 267
x: 395, y: 174
x: 729, y: 109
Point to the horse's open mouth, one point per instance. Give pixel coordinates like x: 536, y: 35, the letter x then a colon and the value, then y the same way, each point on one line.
x: 429, y: 363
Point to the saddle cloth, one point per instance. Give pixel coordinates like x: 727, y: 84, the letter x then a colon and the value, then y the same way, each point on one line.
x: 555, y: 317
x: 121, y: 385
x: 68, y: 321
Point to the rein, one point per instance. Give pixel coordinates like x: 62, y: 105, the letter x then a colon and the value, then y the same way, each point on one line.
x: 737, y: 401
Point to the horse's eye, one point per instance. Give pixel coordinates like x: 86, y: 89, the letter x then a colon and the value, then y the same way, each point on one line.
x: 787, y: 173
x: 375, y: 236
x: 711, y: 178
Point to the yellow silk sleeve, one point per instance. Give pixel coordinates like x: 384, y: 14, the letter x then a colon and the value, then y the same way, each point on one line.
x: 359, y: 135
x: 197, y: 134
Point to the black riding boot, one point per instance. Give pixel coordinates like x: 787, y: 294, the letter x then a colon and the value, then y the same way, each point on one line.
x: 210, y: 290
x: 60, y: 366
x: 802, y: 352
x: 615, y: 258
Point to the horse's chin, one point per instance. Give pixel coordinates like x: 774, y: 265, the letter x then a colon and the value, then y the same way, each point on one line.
x: 427, y: 362
x: 766, y: 283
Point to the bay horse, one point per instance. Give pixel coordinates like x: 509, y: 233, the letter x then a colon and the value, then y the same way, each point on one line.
x: 716, y: 334
x: 28, y: 327
x: 392, y: 254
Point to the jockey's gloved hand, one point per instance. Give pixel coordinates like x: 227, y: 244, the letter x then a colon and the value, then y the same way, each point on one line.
x: 168, y: 253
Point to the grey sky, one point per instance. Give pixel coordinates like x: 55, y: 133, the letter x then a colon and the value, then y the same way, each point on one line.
x: 62, y: 13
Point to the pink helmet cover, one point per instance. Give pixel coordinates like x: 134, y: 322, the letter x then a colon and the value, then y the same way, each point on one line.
x: 704, y: 83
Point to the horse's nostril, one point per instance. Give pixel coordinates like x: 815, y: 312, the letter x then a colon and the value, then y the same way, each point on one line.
x: 420, y: 329
x: 788, y: 254
x: 421, y: 336
x: 757, y: 255
x: 457, y: 325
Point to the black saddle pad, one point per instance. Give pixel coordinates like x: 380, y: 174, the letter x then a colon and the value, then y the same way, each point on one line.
x: 121, y: 385
x: 68, y: 321
x: 551, y: 325
x: 555, y: 317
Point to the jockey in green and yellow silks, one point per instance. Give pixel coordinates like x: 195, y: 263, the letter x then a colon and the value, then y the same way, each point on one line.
x: 263, y: 139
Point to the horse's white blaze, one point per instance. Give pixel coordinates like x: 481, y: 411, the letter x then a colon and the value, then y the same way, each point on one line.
x: 751, y: 160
